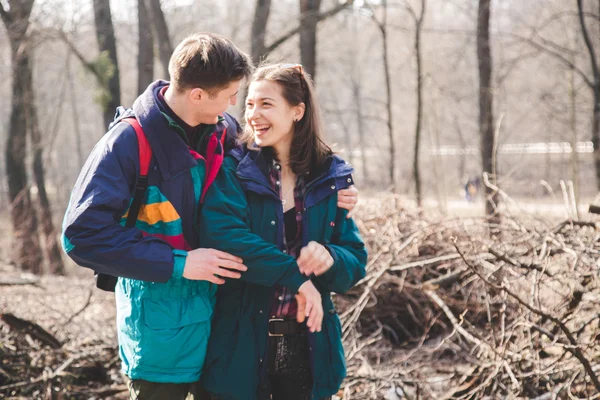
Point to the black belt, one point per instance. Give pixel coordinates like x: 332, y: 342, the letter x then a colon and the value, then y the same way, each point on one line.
x: 281, y: 327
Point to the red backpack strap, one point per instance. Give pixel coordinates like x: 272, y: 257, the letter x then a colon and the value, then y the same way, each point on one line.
x: 109, y: 282
x: 145, y: 153
x: 144, y: 150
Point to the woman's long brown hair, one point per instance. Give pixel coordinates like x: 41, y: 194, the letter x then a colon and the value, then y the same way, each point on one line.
x: 308, y: 151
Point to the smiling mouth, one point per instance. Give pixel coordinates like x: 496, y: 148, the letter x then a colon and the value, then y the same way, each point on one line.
x: 261, y: 130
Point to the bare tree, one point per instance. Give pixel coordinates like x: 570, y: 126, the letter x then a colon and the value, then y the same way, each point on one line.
x: 419, y: 121
x: 382, y: 25
x: 161, y: 30
x: 258, y: 46
x: 26, y: 240
x: 294, y: 31
x: 105, y: 35
x: 486, y: 99
x: 574, y: 157
x: 595, y: 86
x: 51, y: 245
x: 357, y: 95
x: 145, y: 60
x: 309, y: 12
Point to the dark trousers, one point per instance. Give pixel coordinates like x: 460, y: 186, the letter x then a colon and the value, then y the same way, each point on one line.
x: 144, y: 390
x: 289, y: 369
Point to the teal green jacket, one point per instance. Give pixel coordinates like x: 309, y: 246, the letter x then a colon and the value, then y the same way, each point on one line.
x: 242, y: 215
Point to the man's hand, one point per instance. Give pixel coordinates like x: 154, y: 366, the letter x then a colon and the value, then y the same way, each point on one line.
x: 309, y: 305
x: 206, y: 264
x: 347, y: 199
x: 314, y: 259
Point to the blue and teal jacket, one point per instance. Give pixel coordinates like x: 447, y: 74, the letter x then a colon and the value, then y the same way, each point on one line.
x: 163, y: 319
x: 242, y: 215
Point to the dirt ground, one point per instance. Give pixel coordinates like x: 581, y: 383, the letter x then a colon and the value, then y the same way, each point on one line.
x: 79, y: 316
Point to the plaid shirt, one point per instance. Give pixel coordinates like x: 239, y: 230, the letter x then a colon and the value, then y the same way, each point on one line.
x: 284, y: 302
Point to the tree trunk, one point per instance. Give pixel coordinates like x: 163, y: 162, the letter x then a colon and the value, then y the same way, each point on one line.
x: 418, y: 125
x: 595, y: 89
x: 51, y: 245
x: 74, y: 113
x: 319, y: 17
x: 258, y: 47
x: 463, y: 157
x: 574, y: 156
x: 360, y: 124
x: 105, y: 35
x: 309, y: 18
x: 357, y: 96
x: 388, y: 96
x: 486, y: 97
x: 26, y: 246
x: 145, y: 60
x: 161, y: 29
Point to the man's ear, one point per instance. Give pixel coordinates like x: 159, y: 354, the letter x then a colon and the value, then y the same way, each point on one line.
x: 299, y: 111
x: 196, y: 95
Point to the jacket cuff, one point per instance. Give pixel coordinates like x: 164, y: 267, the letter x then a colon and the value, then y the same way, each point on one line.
x: 179, y: 263
x: 330, y: 274
x: 296, y: 281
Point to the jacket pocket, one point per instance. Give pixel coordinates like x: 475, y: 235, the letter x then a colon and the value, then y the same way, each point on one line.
x: 175, y: 333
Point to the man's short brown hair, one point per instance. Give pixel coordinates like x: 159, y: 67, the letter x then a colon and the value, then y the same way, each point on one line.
x: 208, y: 61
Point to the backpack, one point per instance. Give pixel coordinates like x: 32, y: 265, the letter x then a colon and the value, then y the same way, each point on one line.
x: 108, y: 282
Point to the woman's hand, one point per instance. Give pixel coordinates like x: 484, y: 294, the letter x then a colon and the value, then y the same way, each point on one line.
x: 309, y: 305
x: 314, y: 259
x: 347, y: 199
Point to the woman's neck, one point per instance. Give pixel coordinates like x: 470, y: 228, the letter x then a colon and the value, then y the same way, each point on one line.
x: 282, y: 152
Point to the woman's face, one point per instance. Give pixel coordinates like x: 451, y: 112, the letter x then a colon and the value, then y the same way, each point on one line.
x: 270, y: 116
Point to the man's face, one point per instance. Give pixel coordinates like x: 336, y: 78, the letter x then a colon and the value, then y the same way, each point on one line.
x: 209, y: 107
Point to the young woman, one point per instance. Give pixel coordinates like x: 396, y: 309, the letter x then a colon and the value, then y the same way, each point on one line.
x: 274, y: 204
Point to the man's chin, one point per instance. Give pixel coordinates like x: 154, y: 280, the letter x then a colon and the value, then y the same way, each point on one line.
x: 210, y: 120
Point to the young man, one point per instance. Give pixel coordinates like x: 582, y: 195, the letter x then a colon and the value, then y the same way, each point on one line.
x: 165, y: 293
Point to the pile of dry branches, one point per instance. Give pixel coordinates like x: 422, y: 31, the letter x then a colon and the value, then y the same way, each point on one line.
x: 468, y: 309
x: 35, y: 365
x: 450, y: 308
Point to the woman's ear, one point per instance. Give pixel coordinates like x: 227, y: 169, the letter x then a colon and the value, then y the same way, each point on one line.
x: 299, y: 111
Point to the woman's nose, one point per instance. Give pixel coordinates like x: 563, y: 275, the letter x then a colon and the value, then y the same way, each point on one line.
x: 251, y: 113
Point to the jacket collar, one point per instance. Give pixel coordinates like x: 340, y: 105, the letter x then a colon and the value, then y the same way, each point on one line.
x: 254, y: 165
x: 169, y: 150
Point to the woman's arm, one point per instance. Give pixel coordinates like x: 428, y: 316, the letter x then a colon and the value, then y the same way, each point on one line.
x: 223, y: 226
x: 344, y: 265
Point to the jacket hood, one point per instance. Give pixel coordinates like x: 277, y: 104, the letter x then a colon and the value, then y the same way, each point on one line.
x: 165, y: 143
